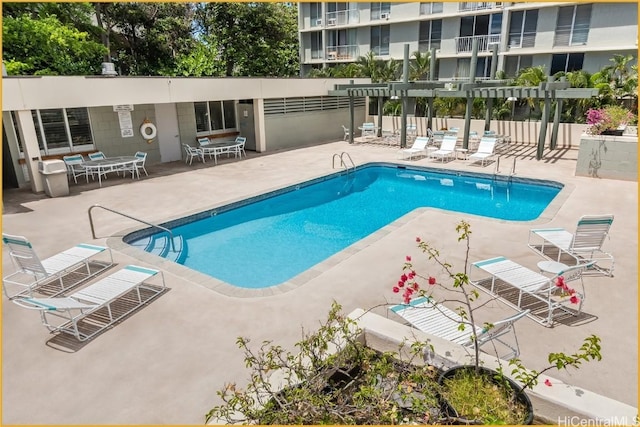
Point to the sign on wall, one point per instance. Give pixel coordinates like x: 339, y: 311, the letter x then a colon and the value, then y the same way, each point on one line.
x: 123, y: 107
x: 126, y: 123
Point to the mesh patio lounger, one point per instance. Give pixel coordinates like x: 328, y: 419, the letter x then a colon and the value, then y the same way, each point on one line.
x: 447, y: 148
x: 53, y: 275
x: 436, y: 319
x: 583, y: 245
x: 526, y: 282
x: 418, y: 148
x: 92, y: 309
x: 486, y: 150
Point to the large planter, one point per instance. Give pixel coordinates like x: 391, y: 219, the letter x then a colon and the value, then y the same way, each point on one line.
x: 516, y: 392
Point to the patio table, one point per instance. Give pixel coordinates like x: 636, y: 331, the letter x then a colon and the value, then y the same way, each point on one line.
x: 216, y: 148
x: 110, y: 164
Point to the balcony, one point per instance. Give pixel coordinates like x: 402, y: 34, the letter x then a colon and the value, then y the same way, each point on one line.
x: 464, y: 44
x: 471, y: 6
x: 342, y: 53
x: 342, y: 17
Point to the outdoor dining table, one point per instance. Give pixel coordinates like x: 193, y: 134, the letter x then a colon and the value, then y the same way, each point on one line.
x: 216, y: 148
x: 110, y: 164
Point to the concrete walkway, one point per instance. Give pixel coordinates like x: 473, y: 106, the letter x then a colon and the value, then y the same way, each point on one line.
x: 164, y: 364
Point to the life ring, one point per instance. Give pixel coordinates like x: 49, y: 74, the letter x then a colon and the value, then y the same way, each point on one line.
x: 148, y: 131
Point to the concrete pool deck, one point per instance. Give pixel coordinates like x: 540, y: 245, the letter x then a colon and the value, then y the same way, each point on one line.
x: 164, y: 364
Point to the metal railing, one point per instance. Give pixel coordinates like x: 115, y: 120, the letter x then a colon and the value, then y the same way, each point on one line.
x: 93, y: 232
x: 341, y: 157
x: 341, y: 17
x: 464, y: 44
x: 336, y: 53
x: 471, y: 6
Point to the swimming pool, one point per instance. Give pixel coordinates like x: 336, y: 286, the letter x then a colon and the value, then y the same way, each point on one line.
x: 267, y: 240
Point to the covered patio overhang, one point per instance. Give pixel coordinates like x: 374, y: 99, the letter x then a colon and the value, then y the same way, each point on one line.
x: 551, y: 91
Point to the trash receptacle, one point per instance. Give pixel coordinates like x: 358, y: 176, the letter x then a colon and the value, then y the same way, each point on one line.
x: 54, y: 176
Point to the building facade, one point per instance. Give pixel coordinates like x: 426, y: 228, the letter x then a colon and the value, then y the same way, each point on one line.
x: 48, y: 117
x: 560, y: 36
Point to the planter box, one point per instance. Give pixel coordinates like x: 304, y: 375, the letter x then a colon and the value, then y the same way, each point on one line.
x: 613, y: 157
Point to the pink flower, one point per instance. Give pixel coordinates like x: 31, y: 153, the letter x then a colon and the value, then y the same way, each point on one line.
x: 407, y: 299
x: 404, y: 278
x: 400, y: 283
x: 574, y: 299
x: 416, y: 286
x: 418, y: 239
x: 411, y: 274
x: 432, y: 280
x: 560, y: 282
x: 547, y: 382
x: 408, y: 258
x: 396, y: 289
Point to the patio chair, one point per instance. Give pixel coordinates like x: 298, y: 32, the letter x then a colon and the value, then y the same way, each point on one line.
x: 346, y: 133
x: 485, y: 150
x: 98, y: 155
x: 239, y: 147
x: 115, y: 296
x: 142, y: 159
x: 192, y: 152
x: 435, y: 319
x: 583, y: 245
x: 531, y: 289
x: 74, y: 167
x: 204, y: 141
x: 419, y: 147
x: 447, y: 148
x: 53, y: 275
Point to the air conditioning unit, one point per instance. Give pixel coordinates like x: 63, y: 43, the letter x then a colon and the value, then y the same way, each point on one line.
x: 331, y: 21
x: 319, y: 22
x: 109, y: 69
x: 385, y: 15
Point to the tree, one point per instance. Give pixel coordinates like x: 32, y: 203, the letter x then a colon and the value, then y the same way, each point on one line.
x: 251, y: 39
x: 46, y: 46
x: 420, y: 66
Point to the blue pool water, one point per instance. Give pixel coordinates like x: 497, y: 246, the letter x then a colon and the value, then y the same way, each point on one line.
x: 274, y: 238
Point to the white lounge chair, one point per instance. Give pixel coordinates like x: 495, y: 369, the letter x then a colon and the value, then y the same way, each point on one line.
x: 485, y: 150
x: 346, y: 133
x: 436, y: 319
x: 447, y: 148
x: 583, y: 245
x: 418, y: 148
x: 126, y: 287
x: 530, y: 283
x: 53, y: 275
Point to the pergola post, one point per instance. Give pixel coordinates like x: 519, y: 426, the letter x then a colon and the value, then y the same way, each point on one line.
x: 380, y: 98
x: 489, y: 104
x: 432, y: 77
x: 472, y: 79
x: 543, y: 125
x: 352, y: 114
x: 556, y: 120
x: 405, y: 100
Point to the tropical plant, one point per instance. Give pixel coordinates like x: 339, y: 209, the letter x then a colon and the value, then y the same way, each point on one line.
x: 609, y: 118
x: 420, y: 66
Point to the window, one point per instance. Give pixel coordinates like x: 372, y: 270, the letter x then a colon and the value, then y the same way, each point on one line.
x: 430, y: 8
x: 483, y: 68
x: 315, y: 14
x: 380, y: 40
x: 480, y: 25
x: 522, y: 28
x: 572, y: 27
x: 59, y: 130
x: 214, y: 116
x: 380, y: 10
x: 316, y: 45
x: 513, y: 64
x: 430, y: 35
x: 566, y: 62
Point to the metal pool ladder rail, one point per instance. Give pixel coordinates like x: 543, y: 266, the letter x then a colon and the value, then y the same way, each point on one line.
x: 93, y: 233
x: 341, y: 157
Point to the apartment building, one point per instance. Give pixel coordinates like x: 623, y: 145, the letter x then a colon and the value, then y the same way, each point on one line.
x: 560, y: 36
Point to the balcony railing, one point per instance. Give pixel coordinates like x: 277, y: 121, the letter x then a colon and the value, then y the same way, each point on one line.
x: 464, y: 44
x: 471, y: 6
x: 342, y: 53
x: 342, y: 17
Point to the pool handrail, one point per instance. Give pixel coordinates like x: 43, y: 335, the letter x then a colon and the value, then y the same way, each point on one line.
x: 93, y: 233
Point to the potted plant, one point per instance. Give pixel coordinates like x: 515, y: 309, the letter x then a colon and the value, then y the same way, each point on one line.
x: 610, y: 120
x: 473, y: 394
